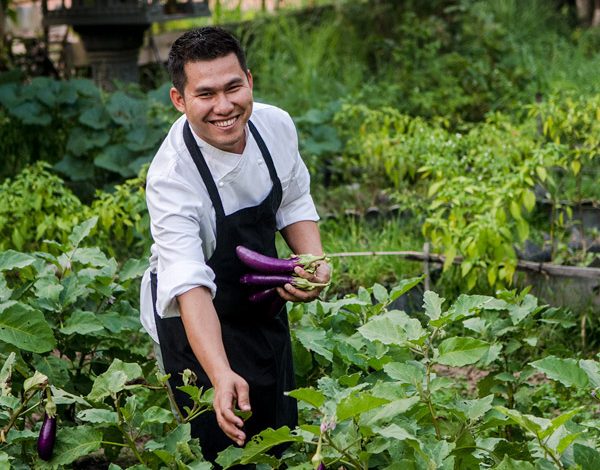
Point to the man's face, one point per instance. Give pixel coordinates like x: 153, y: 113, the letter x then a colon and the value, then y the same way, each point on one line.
x: 217, y: 101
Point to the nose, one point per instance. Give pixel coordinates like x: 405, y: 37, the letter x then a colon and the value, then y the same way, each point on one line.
x: 222, y: 104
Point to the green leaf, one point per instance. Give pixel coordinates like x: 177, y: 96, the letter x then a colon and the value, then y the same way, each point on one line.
x: 528, y: 200
x: 380, y: 293
x: 587, y: 457
x: 34, y: 381
x: 405, y: 372
x: 432, y: 303
x: 388, y: 412
x: 457, y: 352
x: 316, y: 340
x: 404, y: 286
x: 115, y: 158
x: 98, y: 416
x: 229, y: 456
x: 114, y: 379
x: 395, y: 432
x: 5, y: 374
x: 530, y: 423
x: 25, y: 328
x: 559, y: 421
x: 132, y: 269
x: 356, y: 404
x: 156, y: 414
x: 30, y: 112
x: 48, y: 288
x: 96, y: 117
x: 393, y: 327
x: 475, y: 409
x: 266, y: 440
x: 82, y: 323
x: 90, y: 256
x: 510, y: 464
x: 592, y: 369
x: 313, y: 397
x: 565, y: 371
x: 72, y: 443
x: 82, y: 230
x: 11, y: 259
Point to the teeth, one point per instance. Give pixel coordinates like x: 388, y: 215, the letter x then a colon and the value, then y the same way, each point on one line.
x: 229, y: 122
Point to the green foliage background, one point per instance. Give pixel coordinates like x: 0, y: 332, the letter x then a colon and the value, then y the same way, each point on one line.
x: 457, y: 120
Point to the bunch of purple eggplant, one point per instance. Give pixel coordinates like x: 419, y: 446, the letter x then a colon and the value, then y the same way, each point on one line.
x: 268, y: 273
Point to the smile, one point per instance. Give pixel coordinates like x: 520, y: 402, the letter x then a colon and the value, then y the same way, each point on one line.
x: 226, y: 123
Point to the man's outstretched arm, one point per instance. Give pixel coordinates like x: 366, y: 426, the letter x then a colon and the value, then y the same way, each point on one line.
x: 203, y: 330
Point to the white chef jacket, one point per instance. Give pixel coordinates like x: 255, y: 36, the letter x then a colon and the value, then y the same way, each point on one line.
x: 182, y: 219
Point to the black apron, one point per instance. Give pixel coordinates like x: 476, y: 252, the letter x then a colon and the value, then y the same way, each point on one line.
x: 258, y: 346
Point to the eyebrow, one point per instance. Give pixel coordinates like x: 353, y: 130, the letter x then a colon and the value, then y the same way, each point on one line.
x: 232, y: 82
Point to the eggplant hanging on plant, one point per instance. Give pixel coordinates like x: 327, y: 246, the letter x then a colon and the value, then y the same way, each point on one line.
x: 270, y: 265
x: 47, y: 436
x: 279, y: 280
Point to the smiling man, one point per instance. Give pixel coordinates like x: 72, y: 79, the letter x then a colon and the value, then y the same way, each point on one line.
x: 228, y: 173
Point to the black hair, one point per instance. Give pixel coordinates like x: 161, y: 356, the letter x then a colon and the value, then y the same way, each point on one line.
x: 206, y: 43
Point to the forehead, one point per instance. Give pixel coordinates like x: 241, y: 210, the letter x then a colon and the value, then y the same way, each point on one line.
x: 213, y: 72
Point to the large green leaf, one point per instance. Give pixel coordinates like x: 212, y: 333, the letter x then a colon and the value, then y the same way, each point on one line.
x: 115, y: 158
x: 356, y: 404
x: 315, y: 339
x: 457, y: 352
x: 565, y: 371
x: 393, y: 327
x: 82, y: 323
x: 25, y: 328
x: 406, y: 372
x: 464, y: 306
x: 592, y: 369
x: 132, y: 269
x: 95, y: 117
x: 404, y: 286
x: 475, y: 409
x: 72, y: 443
x: 114, y: 379
x: 587, y: 457
x: 266, y: 440
x: 313, y: 397
x: 11, y: 259
x: 82, y: 230
x: 395, y: 432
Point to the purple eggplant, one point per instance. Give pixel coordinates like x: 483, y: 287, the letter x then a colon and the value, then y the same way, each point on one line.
x: 269, y: 265
x: 47, y: 437
x: 278, y: 280
x: 263, y: 295
x: 269, y: 300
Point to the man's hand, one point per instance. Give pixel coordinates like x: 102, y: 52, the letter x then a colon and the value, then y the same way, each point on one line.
x: 231, y: 389
x: 322, y: 275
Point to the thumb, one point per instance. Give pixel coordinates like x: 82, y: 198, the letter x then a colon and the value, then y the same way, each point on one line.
x: 243, y: 398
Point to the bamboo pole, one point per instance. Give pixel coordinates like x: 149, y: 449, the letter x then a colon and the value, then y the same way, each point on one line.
x: 545, y: 268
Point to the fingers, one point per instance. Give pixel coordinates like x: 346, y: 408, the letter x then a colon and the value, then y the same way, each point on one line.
x: 224, y: 402
x: 293, y: 294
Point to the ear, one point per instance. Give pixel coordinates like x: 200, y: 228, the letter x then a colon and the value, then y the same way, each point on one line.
x: 177, y: 99
x: 249, y: 76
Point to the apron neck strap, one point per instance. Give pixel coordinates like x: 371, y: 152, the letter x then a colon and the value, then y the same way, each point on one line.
x: 198, y: 158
